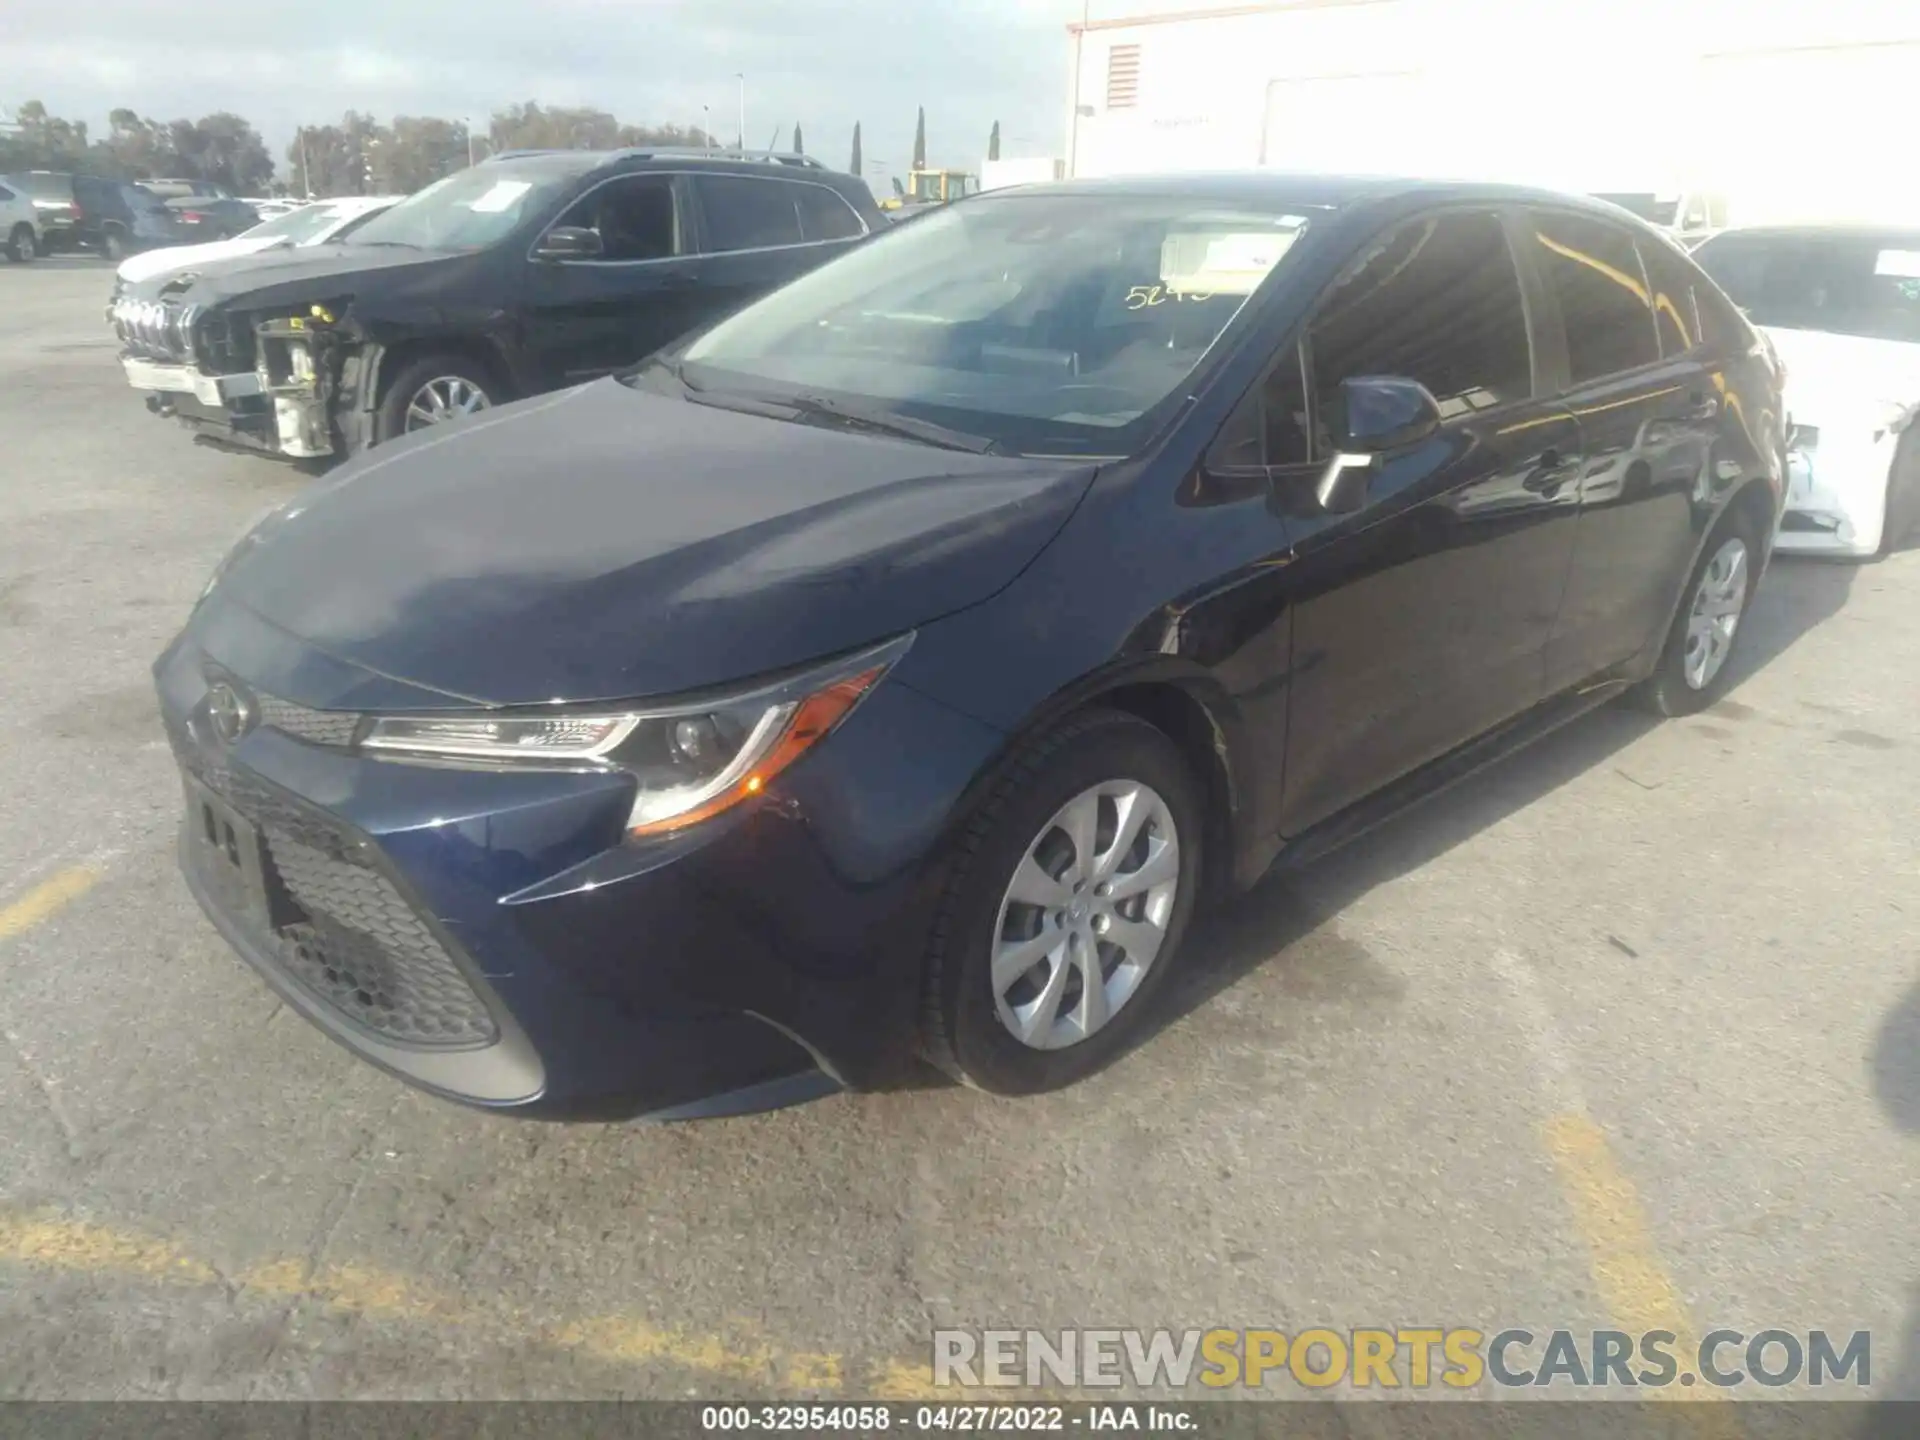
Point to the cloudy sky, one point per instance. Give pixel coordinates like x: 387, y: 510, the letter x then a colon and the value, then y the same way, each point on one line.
x: 825, y: 63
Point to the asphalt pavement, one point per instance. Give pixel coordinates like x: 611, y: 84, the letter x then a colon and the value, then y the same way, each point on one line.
x: 1626, y: 1032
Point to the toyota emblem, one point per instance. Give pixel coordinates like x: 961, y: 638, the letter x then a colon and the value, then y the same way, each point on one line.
x: 229, y: 712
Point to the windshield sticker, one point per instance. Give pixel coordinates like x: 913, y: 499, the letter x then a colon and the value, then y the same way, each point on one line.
x: 1222, y: 263
x: 501, y: 197
x: 1902, y: 264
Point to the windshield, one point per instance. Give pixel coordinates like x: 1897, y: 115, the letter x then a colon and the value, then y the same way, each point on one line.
x: 298, y: 226
x: 1862, y: 285
x: 1050, y: 323
x: 468, y: 210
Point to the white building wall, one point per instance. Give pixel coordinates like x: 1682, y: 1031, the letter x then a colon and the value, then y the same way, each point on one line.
x: 1803, y: 102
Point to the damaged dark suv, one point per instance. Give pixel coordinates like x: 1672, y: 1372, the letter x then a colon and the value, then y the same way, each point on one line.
x: 529, y: 272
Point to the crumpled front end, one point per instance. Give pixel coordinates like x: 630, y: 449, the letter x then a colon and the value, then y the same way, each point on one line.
x: 1837, y: 488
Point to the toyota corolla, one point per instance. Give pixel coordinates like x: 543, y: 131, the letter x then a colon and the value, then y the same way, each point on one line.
x: 896, y: 668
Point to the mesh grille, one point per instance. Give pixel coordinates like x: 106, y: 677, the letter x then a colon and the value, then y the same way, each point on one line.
x: 356, y: 943
x: 367, y: 952
x: 316, y: 727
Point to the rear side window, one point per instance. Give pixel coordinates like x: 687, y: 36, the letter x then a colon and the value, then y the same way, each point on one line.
x: 5, y: 193
x: 1675, y: 314
x: 1594, y: 271
x: 824, y: 214
x: 1436, y: 301
x: 746, y: 213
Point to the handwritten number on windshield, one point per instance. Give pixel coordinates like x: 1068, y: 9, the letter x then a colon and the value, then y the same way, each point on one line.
x: 1143, y: 297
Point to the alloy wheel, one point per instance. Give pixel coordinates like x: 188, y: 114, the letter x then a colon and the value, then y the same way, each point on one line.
x: 1718, y: 603
x: 443, y: 398
x: 1085, y: 914
x: 23, y: 246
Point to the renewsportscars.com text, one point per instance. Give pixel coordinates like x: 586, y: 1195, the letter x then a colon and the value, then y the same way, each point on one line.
x: 1414, y: 1358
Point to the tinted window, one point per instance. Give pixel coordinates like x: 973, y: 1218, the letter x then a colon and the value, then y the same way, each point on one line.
x: 746, y: 214
x: 1847, y: 284
x: 1673, y: 305
x: 1595, y: 273
x: 824, y: 215
x: 635, y: 218
x: 1270, y: 426
x: 1437, y: 301
x: 5, y: 193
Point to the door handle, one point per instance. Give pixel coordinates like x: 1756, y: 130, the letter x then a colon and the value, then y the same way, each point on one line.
x: 1701, y: 407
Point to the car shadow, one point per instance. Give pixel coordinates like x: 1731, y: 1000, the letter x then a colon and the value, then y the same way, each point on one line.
x: 1268, y: 925
x: 1895, y: 1068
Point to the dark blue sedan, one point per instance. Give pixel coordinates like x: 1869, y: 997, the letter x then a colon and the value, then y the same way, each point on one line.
x: 893, y: 670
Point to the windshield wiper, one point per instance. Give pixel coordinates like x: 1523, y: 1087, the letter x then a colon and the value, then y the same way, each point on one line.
x: 880, y: 422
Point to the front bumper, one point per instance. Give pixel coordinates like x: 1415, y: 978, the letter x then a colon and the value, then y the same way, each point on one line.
x: 488, y: 936
x: 1837, y: 499
x: 158, y: 377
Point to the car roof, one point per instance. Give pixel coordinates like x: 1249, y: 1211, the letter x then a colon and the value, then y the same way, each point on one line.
x: 1881, y: 234
x: 581, y: 162
x: 1280, y: 188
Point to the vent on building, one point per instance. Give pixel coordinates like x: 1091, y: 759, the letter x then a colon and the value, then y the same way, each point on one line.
x: 1123, y: 77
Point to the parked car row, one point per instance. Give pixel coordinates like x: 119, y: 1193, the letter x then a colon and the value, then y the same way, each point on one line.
x: 46, y: 212
x: 896, y: 664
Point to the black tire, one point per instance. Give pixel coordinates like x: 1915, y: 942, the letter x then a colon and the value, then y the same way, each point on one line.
x: 961, y: 1029
x: 114, y: 246
x: 1903, y: 495
x: 390, y: 419
x: 20, y: 246
x: 1667, y: 691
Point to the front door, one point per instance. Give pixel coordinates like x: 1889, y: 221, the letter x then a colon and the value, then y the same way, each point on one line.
x: 1421, y: 620
x: 1648, y: 414
x: 590, y: 317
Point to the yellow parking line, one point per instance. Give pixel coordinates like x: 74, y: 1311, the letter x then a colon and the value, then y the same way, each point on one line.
x: 743, y: 1353
x: 49, y: 896
x: 1626, y: 1264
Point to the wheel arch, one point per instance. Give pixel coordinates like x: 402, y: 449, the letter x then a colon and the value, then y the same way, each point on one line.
x: 387, y: 360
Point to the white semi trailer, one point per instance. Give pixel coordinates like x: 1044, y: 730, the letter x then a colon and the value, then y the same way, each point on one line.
x: 1787, y: 109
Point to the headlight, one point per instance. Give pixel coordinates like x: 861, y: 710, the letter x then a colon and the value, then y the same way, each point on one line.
x: 689, y: 762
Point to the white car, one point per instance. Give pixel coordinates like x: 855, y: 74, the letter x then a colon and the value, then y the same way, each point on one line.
x: 313, y: 224
x: 19, y: 221
x: 274, y: 209
x: 1842, y: 307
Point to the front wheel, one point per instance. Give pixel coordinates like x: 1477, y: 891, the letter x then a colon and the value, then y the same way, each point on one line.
x: 20, y: 244
x: 1693, y: 670
x: 1903, y: 495
x: 1066, y: 908
x: 433, y: 390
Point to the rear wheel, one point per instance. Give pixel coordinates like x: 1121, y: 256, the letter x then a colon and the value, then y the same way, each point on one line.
x: 434, y: 390
x: 1066, y: 910
x: 1693, y: 670
x: 1903, y: 494
x: 113, y: 245
x: 20, y: 244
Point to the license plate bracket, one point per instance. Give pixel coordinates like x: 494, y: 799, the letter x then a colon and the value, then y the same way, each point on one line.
x: 232, y: 859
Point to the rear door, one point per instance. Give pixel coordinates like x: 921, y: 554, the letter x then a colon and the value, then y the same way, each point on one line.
x: 1421, y: 619
x: 760, y: 231
x: 591, y: 317
x: 1633, y: 375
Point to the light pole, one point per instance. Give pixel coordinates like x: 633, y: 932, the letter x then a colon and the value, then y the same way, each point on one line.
x: 742, y: 78
x: 469, y: 142
x: 1073, y: 131
x: 306, y: 175
x: 706, y: 126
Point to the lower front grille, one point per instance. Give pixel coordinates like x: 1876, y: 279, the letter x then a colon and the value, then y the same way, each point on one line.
x: 342, y: 930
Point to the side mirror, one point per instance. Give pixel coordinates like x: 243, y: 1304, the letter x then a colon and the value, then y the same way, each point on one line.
x: 1373, y: 415
x: 570, y: 242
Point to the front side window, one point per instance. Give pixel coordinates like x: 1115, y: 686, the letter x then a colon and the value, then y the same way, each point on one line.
x: 745, y: 213
x: 635, y: 218
x: 1857, y: 284
x: 1594, y: 272
x: 1043, y: 322
x: 1436, y: 301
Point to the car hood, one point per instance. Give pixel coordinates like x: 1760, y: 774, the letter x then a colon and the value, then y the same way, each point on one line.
x: 1834, y: 379
x: 296, y: 274
x: 609, y: 544
x: 181, y: 257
